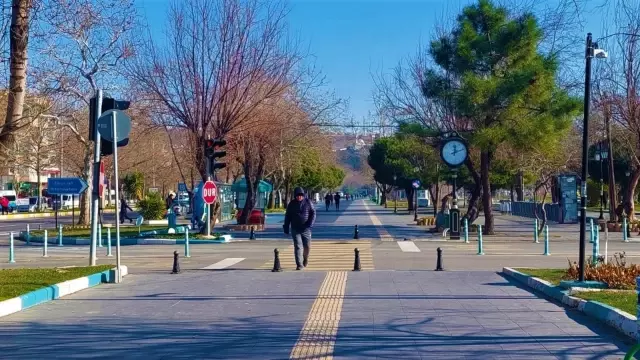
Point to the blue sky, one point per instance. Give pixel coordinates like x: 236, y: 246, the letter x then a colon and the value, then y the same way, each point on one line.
x: 352, y: 39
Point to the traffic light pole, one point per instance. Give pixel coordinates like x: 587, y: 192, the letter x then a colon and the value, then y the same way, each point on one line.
x: 117, y: 189
x: 95, y: 188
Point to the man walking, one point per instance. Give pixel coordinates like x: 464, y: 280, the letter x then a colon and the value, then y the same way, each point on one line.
x: 300, y: 216
x: 336, y: 199
x: 327, y: 200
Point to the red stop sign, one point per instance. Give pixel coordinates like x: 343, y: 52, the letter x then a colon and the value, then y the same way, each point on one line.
x: 209, y: 192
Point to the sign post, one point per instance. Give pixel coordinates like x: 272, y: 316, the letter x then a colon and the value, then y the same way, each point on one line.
x: 114, y: 125
x: 209, y: 194
x: 95, y: 200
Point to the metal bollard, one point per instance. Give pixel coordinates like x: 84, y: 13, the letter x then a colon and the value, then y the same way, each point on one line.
x: 592, y: 237
x: 252, y: 234
x: 187, y: 252
x: 45, y: 245
x: 356, y: 263
x: 535, y: 231
x: 109, y: 241
x: 546, y: 240
x: 625, y: 232
x: 356, y: 233
x: 606, y: 244
x: 28, y: 235
x: 276, y: 261
x: 480, y: 252
x: 100, y: 235
x: 11, y: 253
x: 176, y: 264
x: 466, y: 230
x: 439, y: 261
x: 60, y: 235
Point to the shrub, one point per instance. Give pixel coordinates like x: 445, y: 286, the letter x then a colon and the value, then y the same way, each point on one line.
x: 616, y: 275
x: 152, y: 207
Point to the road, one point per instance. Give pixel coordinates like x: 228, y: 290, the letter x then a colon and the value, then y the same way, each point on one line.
x: 227, y: 304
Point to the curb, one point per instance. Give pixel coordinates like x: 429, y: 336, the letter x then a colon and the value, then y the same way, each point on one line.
x: 57, y: 291
x: 53, y: 241
x: 621, y: 321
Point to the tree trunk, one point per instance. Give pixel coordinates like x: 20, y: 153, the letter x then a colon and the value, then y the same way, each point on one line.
x: 512, y: 193
x: 271, y: 205
x: 472, y: 210
x: 18, y: 41
x: 383, y: 194
x: 38, y: 176
x: 629, y: 200
x: 485, y: 165
x: 520, y: 186
x: 434, y: 199
x: 84, y: 218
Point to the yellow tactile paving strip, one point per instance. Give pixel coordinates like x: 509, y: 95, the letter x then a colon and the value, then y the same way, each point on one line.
x: 318, y: 335
x: 382, y: 232
x: 327, y: 256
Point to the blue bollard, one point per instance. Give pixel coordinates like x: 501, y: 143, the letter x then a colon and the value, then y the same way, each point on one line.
x: 109, y: 241
x: 187, y: 253
x: 480, y: 252
x: 625, y: 238
x: 466, y: 231
x: 60, y: 235
x: 592, y: 229
x: 535, y: 231
x: 100, y: 235
x: 11, y: 253
x: 28, y: 235
x: 546, y: 240
x: 45, y: 245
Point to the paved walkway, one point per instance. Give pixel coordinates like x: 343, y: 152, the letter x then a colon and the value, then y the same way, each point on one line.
x: 306, y: 315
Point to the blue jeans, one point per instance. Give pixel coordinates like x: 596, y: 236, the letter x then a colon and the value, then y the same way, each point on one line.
x: 301, y: 241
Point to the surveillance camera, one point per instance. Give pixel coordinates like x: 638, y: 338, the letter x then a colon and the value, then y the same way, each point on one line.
x: 600, y: 54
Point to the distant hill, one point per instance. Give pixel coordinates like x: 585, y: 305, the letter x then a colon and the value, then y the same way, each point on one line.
x: 352, y: 152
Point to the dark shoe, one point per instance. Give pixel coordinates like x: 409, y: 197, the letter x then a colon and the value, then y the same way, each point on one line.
x: 305, y: 262
x: 300, y: 268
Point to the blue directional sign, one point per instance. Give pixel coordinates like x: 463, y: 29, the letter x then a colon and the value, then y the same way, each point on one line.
x: 66, y: 186
x: 182, y: 187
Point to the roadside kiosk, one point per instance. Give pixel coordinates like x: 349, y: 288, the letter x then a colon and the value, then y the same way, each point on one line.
x: 239, y: 188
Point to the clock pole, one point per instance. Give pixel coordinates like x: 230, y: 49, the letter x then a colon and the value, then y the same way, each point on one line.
x: 454, y: 213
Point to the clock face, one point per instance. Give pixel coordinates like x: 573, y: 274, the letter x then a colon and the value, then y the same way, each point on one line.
x: 454, y: 152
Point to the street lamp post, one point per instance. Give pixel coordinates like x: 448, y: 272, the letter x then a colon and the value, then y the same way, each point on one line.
x: 591, y: 51
x: 601, y: 155
x: 395, y: 195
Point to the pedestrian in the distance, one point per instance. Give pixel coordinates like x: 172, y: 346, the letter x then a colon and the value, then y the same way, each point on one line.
x: 4, y: 203
x: 169, y: 201
x: 123, y: 211
x: 327, y: 201
x: 336, y: 199
x: 300, y: 216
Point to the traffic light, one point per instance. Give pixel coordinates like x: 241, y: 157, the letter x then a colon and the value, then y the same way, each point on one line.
x: 210, y: 147
x: 106, y: 147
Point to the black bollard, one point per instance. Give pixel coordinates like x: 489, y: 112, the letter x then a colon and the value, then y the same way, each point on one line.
x: 356, y: 233
x: 439, y: 261
x: 176, y: 265
x: 276, y: 261
x: 356, y: 263
x: 252, y: 234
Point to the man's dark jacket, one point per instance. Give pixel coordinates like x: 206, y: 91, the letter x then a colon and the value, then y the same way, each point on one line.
x: 300, y: 215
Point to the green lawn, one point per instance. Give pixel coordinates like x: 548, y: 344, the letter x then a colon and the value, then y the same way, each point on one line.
x: 623, y: 300
x: 275, y: 211
x: 553, y: 276
x: 15, y: 282
x: 125, y: 231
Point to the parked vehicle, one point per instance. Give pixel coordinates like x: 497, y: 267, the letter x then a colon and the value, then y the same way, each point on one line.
x: 11, y: 196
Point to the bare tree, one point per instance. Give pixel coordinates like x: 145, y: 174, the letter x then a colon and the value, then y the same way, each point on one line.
x: 221, y: 61
x: 18, y: 41
x: 81, y: 46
